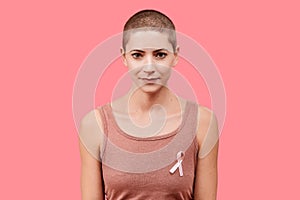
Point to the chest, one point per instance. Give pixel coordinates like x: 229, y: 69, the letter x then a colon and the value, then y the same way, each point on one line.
x: 158, y: 182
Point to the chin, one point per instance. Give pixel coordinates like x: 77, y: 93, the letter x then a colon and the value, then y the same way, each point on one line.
x: 153, y: 88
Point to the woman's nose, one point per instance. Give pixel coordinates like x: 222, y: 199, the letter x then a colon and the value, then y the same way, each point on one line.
x: 149, y: 69
x: 149, y: 65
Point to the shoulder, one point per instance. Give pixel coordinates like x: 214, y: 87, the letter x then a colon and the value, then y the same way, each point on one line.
x: 207, y: 128
x: 90, y: 117
x: 206, y: 115
x: 92, y: 120
x: 91, y: 135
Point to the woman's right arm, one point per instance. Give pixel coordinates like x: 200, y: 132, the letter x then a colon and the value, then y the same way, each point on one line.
x: 91, y: 182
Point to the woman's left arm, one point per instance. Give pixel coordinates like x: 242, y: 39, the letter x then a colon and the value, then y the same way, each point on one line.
x: 206, y: 181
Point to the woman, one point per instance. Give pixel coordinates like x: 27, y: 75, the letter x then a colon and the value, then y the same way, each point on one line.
x: 147, y: 144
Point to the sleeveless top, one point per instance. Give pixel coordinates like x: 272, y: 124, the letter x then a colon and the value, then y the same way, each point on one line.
x: 136, y: 168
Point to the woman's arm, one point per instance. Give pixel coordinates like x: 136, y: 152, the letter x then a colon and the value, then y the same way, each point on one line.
x: 207, y: 167
x: 92, y: 187
x: 91, y: 179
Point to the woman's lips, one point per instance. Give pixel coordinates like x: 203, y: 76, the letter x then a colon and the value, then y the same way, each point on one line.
x: 149, y: 80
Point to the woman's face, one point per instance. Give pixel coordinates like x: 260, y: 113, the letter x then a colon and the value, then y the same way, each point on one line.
x: 149, y: 57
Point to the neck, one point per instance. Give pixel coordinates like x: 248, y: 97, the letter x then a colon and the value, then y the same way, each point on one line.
x: 142, y: 101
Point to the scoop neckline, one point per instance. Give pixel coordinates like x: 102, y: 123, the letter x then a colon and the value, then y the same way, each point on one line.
x: 155, y: 137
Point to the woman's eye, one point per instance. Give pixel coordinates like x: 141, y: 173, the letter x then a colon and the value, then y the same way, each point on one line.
x: 136, y: 55
x: 161, y: 55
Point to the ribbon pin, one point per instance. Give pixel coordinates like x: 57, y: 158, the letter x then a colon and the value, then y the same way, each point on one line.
x: 178, y: 165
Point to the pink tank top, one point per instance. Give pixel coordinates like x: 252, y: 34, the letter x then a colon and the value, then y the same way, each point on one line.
x: 138, y: 168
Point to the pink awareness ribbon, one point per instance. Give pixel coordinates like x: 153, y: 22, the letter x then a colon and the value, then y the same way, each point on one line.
x: 178, y: 165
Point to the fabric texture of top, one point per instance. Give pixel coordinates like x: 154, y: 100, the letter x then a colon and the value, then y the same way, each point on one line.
x: 135, y: 168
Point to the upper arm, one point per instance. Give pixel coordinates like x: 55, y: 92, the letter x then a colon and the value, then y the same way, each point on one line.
x: 90, y: 144
x: 208, y: 142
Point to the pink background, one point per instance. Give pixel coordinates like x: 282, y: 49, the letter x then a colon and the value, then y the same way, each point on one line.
x: 254, y: 44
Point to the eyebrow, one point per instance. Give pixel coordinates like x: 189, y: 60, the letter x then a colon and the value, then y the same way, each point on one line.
x: 138, y: 50
x: 141, y: 51
x: 161, y: 50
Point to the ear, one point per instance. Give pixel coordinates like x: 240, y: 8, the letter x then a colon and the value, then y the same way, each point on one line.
x: 124, y: 60
x: 176, y: 56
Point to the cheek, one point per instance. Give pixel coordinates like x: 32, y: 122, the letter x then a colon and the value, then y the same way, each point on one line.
x: 165, y: 76
x: 165, y: 71
x: 133, y: 64
x: 169, y: 62
x: 133, y: 70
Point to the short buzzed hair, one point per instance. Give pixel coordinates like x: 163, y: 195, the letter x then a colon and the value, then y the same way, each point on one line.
x: 150, y: 20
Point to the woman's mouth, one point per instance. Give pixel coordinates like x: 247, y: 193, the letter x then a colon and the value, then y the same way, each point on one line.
x: 148, y: 79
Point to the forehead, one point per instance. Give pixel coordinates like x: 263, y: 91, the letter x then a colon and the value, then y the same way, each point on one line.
x: 148, y: 40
